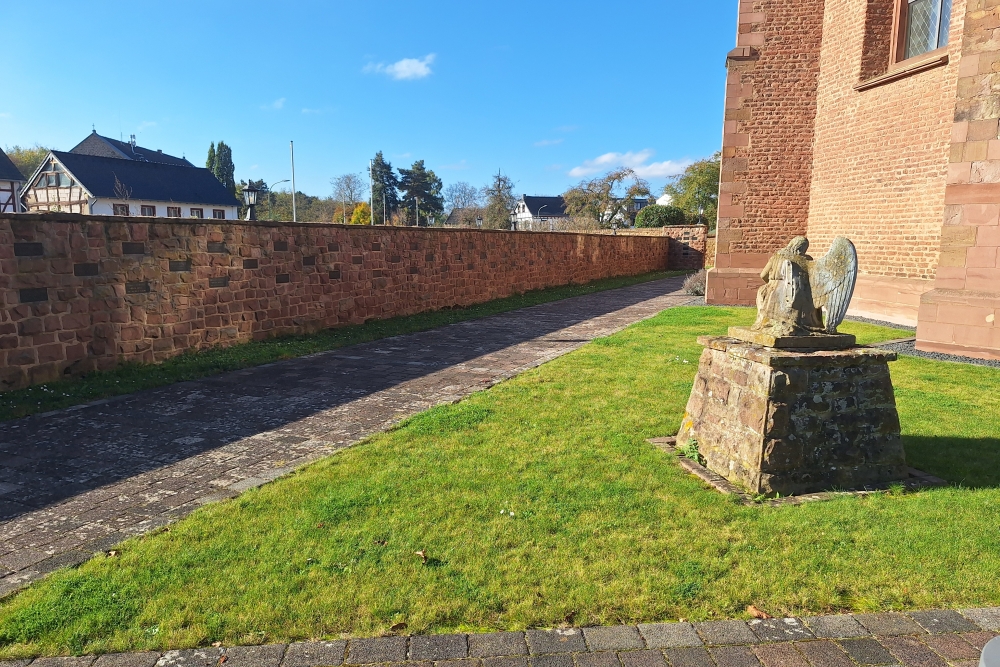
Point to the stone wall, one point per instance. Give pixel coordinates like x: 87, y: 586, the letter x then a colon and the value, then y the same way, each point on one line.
x: 79, y: 293
x: 767, y: 140
x: 880, y: 155
x: 960, y: 314
x: 688, y: 243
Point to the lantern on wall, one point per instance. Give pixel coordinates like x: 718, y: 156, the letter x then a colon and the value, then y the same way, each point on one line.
x: 250, y: 199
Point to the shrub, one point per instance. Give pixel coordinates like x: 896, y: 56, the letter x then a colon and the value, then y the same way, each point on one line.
x: 660, y: 216
x: 695, y: 284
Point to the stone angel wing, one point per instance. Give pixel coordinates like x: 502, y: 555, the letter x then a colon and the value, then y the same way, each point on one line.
x: 832, y: 278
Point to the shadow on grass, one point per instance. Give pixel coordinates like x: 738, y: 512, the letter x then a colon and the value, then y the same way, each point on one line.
x: 48, y: 458
x: 972, y: 463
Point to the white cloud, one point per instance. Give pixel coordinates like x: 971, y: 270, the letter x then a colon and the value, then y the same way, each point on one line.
x: 275, y: 105
x: 548, y: 142
x: 6, y: 115
x: 637, y: 161
x: 405, y: 69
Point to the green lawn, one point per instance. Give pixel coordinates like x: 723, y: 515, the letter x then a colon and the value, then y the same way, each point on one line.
x: 132, y: 377
x: 540, y: 499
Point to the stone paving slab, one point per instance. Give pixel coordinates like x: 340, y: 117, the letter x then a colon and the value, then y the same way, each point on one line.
x: 713, y: 644
x: 76, y: 482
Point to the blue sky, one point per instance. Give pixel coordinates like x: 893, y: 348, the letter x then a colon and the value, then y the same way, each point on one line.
x: 547, y: 92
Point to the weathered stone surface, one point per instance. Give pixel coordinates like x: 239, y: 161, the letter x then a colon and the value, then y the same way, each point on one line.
x: 793, y: 422
x: 812, y: 342
x: 176, y: 295
x: 493, y: 644
x: 669, y: 635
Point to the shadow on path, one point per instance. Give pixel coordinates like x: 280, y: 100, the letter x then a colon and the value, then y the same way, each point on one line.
x: 47, y: 459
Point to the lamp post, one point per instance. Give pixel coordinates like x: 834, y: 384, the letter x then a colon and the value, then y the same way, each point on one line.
x: 250, y: 199
x: 539, y: 216
x: 270, y: 191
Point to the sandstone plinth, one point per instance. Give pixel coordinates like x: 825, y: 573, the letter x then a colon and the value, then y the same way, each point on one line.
x: 815, y: 341
x: 791, y: 422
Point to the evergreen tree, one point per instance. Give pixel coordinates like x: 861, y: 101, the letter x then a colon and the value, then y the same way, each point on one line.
x: 421, y: 183
x: 385, y: 189
x: 224, y: 169
x: 500, y: 202
x: 212, y: 162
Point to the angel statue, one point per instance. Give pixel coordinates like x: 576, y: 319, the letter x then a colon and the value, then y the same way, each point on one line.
x: 797, y: 289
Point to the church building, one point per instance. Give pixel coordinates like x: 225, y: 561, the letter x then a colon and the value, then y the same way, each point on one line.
x: 876, y: 120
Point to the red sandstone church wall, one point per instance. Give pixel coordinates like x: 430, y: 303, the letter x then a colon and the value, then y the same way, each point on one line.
x: 880, y: 158
x: 767, y: 142
x: 962, y: 313
x: 75, y: 297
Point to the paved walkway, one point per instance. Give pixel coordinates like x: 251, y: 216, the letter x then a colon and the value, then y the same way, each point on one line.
x: 77, y: 481
x: 919, y: 639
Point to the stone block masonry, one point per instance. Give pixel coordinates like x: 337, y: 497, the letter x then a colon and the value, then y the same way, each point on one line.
x: 767, y: 141
x: 794, y: 422
x: 688, y: 243
x: 79, y: 293
x: 959, y: 316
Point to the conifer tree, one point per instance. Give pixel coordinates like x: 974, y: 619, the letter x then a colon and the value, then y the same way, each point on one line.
x: 420, y: 183
x: 220, y: 163
x: 385, y: 189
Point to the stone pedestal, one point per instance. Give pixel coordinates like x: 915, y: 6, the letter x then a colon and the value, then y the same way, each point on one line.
x: 792, y: 422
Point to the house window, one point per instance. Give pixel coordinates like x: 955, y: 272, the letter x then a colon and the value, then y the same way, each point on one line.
x: 149, y: 211
x: 173, y: 211
x: 197, y: 213
x: 120, y: 209
x: 924, y: 26
x: 219, y: 214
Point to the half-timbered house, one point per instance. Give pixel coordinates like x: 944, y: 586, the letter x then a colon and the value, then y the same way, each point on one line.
x: 11, y: 184
x: 97, y: 185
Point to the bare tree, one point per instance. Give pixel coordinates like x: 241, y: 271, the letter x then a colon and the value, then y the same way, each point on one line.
x: 607, y: 200
x: 348, y: 189
x: 464, y: 202
x: 123, y: 193
x: 462, y: 195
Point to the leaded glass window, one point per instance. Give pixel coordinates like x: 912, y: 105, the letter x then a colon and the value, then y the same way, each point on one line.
x: 926, y: 25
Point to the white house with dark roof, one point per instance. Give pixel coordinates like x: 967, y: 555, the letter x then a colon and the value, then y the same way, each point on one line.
x: 538, y: 214
x: 11, y: 185
x: 101, y: 176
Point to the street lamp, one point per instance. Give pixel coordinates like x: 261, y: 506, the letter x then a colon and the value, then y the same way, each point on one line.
x: 250, y: 199
x: 270, y: 192
x: 539, y: 216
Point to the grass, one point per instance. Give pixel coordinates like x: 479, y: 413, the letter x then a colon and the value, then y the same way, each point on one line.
x: 127, y: 378
x: 538, y: 500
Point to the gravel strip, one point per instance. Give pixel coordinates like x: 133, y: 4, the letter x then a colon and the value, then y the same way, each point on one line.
x: 909, y: 347
x: 880, y: 323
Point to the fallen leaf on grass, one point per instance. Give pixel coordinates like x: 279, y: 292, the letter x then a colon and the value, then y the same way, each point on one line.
x: 398, y: 627
x: 216, y: 644
x: 112, y: 553
x: 757, y: 613
x: 423, y: 555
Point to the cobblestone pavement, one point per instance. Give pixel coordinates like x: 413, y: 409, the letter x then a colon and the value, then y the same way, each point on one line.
x: 919, y: 639
x: 77, y: 481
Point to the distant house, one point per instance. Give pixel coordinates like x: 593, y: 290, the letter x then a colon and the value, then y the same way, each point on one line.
x: 11, y: 184
x: 539, y: 213
x: 101, y: 176
x: 465, y: 217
